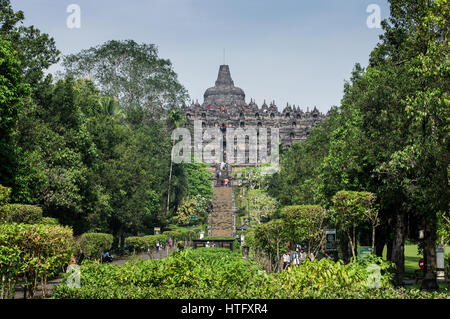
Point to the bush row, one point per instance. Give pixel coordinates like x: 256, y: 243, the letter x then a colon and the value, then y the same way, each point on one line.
x: 220, y: 273
x: 144, y: 243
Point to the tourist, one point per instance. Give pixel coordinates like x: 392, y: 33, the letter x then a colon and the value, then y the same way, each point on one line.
x: 170, y: 242
x: 72, y: 261
x: 226, y: 182
x: 106, y: 257
x: 295, y: 258
x: 302, y: 255
x: 286, y: 259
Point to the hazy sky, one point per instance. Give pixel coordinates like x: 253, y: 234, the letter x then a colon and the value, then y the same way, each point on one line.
x: 287, y: 50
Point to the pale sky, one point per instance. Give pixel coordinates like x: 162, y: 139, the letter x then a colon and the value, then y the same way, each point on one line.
x: 287, y: 50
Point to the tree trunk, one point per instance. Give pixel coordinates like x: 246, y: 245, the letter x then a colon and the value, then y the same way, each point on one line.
x: 170, y: 179
x: 381, y: 241
x: 373, y: 239
x: 429, y: 282
x: 278, y: 255
x: 344, y: 247
x: 398, y: 253
x: 351, y: 245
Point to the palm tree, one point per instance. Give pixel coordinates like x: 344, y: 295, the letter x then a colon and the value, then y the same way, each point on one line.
x: 110, y: 106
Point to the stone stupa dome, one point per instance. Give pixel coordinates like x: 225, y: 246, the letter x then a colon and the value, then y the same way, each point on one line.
x: 224, y: 92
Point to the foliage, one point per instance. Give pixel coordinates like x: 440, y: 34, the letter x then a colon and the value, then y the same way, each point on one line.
x: 4, y: 195
x: 198, y: 180
x: 305, y: 224
x: 49, y: 221
x: 18, y: 213
x: 32, y: 252
x: 389, y: 135
x: 268, y: 238
x: 12, y: 91
x: 349, y: 211
x: 144, y: 243
x: 196, y: 206
x: 36, y: 51
x: 93, y: 244
x: 261, y: 205
x: 443, y: 228
x: 219, y: 273
x: 185, y: 233
x: 131, y: 72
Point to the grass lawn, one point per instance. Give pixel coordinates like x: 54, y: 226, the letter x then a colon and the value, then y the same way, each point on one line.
x: 412, y: 259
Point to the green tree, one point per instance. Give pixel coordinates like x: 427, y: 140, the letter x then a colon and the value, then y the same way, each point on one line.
x: 36, y: 51
x: 132, y: 72
x: 348, y: 213
x: 305, y: 223
x: 261, y: 206
x: 12, y: 92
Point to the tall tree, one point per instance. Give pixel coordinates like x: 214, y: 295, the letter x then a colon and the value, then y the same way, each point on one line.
x: 131, y: 72
x: 36, y: 51
x: 12, y: 92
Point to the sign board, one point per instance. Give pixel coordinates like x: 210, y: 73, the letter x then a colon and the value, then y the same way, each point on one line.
x: 157, y: 230
x: 363, y: 251
x: 330, y: 239
x: 193, y: 217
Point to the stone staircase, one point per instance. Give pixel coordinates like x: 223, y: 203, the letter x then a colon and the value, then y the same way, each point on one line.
x: 222, y: 220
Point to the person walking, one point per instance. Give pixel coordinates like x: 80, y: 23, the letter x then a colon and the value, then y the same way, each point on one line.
x: 286, y: 259
x: 302, y: 255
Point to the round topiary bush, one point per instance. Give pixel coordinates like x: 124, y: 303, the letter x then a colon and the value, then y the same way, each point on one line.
x: 32, y: 252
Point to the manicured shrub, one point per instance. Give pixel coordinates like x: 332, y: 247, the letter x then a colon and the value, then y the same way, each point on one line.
x: 92, y: 244
x: 5, y: 193
x: 144, y: 243
x: 49, y: 221
x: 18, y: 213
x: 32, y: 252
x: 175, y: 235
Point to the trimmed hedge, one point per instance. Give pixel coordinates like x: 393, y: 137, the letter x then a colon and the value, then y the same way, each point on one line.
x: 5, y: 193
x: 220, y: 273
x: 92, y: 244
x: 32, y: 252
x: 18, y: 213
x: 49, y: 221
x: 143, y: 243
